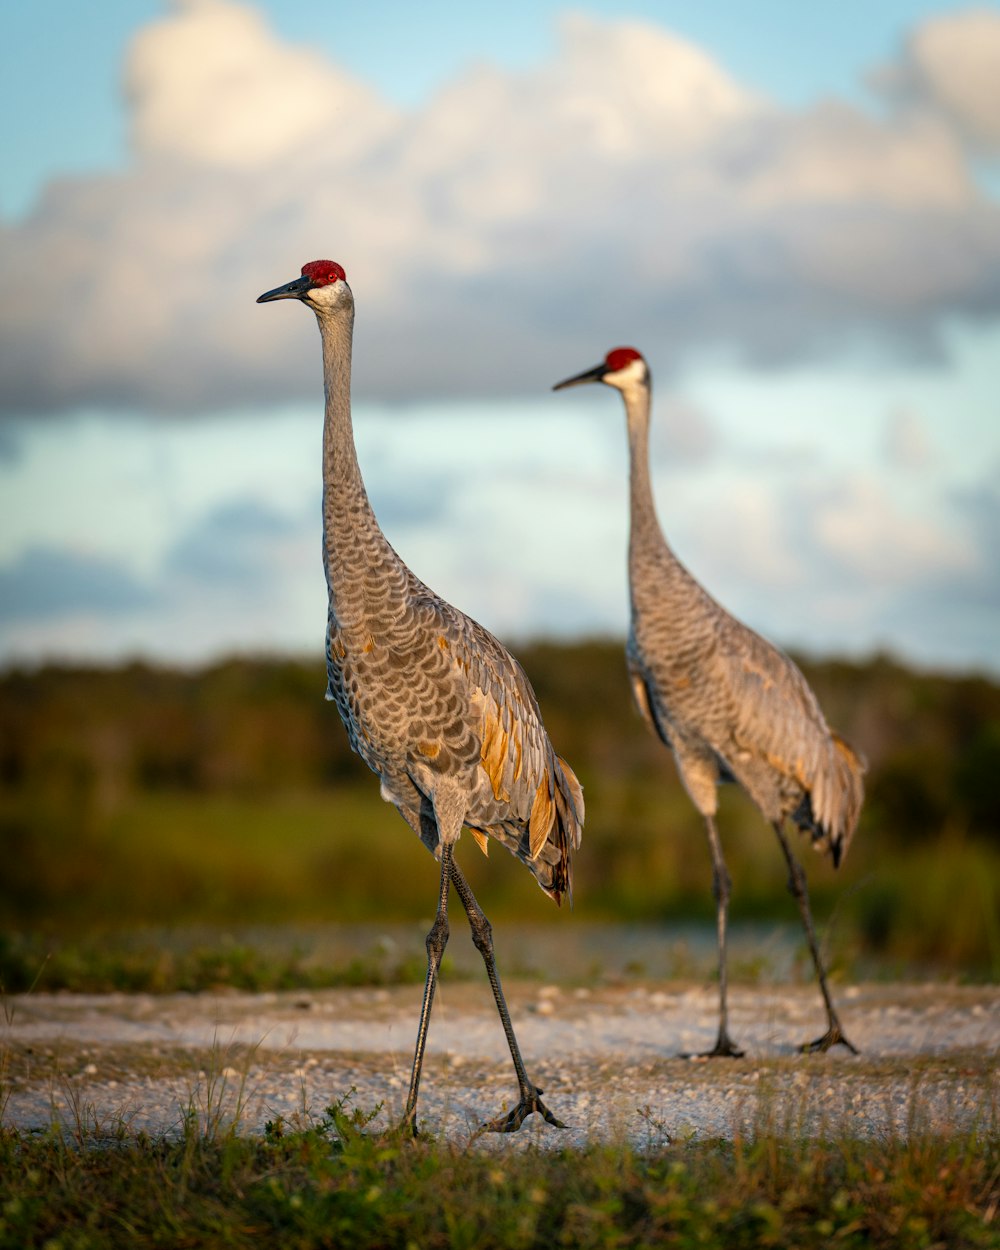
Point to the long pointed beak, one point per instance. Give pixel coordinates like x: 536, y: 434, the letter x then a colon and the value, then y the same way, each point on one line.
x: 291, y: 290
x: 590, y: 375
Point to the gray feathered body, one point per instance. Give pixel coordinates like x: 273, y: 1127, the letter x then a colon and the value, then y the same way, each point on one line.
x: 731, y: 706
x: 431, y: 701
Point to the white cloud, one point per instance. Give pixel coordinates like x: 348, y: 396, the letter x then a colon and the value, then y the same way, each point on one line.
x: 835, y: 155
x: 630, y: 88
x: 907, y: 444
x: 682, y: 434
x: 859, y: 528
x: 628, y: 188
x: 951, y: 65
x: 210, y: 84
x: 740, y: 543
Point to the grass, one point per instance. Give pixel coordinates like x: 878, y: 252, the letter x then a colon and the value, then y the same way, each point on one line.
x: 343, y: 855
x: 119, y: 962
x: 337, y: 1183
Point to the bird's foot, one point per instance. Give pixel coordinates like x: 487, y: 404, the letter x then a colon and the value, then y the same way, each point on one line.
x: 531, y: 1100
x: 724, y: 1048
x: 834, y: 1036
x: 408, y: 1126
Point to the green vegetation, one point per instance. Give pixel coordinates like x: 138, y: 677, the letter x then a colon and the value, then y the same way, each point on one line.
x: 334, y: 1184
x: 130, y: 962
x: 149, y: 797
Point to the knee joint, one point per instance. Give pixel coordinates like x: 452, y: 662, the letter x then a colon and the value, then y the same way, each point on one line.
x: 437, y: 938
x: 482, y: 935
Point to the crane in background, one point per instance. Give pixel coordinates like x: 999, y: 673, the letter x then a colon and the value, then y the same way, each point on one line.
x: 431, y: 701
x: 730, y: 706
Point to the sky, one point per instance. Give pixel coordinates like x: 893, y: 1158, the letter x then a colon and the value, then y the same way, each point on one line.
x: 794, y: 214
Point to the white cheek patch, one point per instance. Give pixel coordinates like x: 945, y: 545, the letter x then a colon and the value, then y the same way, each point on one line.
x: 628, y: 376
x: 634, y: 371
x: 327, y: 296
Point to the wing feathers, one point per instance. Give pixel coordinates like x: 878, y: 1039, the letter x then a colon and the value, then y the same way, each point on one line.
x: 534, y: 803
x: 543, y: 814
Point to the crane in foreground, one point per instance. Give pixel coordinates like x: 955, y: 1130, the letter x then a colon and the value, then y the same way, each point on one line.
x: 728, y: 704
x: 431, y: 701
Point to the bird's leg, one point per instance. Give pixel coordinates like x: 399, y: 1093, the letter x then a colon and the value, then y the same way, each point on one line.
x: 482, y: 936
x: 437, y: 940
x: 721, y: 884
x: 797, y: 887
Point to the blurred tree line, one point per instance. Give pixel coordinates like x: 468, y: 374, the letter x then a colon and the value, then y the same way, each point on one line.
x: 256, y: 727
x: 149, y: 793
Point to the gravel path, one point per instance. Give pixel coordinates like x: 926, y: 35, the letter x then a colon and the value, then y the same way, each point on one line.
x: 607, y: 1058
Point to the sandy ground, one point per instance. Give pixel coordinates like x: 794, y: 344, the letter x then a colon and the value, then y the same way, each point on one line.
x: 607, y: 1058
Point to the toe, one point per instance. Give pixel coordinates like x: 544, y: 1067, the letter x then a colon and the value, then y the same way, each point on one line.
x: 511, y: 1122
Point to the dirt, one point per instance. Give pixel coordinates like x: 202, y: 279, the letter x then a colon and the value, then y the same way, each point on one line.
x: 608, y: 1059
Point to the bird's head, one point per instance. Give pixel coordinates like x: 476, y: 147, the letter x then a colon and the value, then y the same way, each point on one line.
x: 322, y: 285
x: 622, y: 368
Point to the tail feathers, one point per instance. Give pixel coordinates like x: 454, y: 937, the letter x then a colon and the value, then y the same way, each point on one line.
x: 575, y: 812
x: 545, y: 843
x: 569, y: 829
x: 830, y: 810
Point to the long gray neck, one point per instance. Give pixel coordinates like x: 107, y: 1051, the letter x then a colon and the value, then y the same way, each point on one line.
x: 352, y: 539
x: 341, y: 472
x: 655, y: 573
x: 645, y: 533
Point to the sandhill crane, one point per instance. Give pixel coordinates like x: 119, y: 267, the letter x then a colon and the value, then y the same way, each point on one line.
x: 431, y: 701
x: 729, y: 705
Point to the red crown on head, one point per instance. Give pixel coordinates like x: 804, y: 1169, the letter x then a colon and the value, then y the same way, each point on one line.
x: 324, y: 272
x: 619, y: 357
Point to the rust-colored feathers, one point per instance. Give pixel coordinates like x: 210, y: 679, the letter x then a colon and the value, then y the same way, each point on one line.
x: 534, y: 803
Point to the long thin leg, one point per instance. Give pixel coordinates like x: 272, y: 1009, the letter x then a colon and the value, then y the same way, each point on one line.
x: 797, y: 886
x: 724, y: 1046
x: 482, y: 936
x: 437, y: 940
